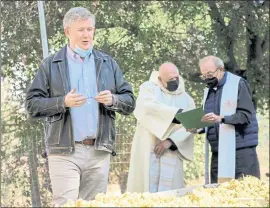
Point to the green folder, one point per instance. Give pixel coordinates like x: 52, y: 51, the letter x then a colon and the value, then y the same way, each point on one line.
x: 192, y: 119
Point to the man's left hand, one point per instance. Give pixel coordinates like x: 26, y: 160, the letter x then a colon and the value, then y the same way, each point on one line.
x: 162, y: 146
x: 211, y: 118
x: 105, y: 97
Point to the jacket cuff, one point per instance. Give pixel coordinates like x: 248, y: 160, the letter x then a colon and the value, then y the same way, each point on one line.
x: 61, y: 104
x: 179, y: 111
x: 114, y: 105
x: 176, y: 121
x: 173, y: 147
x: 201, y: 131
x: 227, y: 119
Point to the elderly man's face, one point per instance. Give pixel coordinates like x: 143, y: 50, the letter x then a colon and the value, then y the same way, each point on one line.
x: 81, y: 33
x: 169, y: 76
x: 209, y: 70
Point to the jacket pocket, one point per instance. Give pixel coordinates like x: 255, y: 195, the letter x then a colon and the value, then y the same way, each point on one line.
x: 112, y: 114
x: 111, y: 119
x: 112, y: 131
x: 53, y: 127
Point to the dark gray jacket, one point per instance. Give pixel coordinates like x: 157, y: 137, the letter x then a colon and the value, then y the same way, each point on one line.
x: 45, y: 99
x: 244, y: 120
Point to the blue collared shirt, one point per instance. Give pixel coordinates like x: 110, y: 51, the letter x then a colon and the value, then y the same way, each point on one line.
x: 83, y: 77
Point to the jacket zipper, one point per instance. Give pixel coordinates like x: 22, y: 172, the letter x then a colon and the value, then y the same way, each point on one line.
x: 66, y: 91
x: 99, y: 69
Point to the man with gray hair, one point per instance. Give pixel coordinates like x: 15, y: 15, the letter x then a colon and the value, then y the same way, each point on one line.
x: 233, y: 135
x: 77, y: 91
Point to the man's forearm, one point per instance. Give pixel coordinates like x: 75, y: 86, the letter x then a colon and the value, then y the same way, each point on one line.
x: 45, y: 107
x: 238, y: 118
x: 123, y: 104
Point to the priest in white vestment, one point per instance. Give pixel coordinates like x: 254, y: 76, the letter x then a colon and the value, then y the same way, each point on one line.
x: 161, y: 143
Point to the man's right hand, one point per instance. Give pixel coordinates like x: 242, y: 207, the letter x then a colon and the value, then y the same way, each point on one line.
x: 193, y: 131
x: 74, y: 100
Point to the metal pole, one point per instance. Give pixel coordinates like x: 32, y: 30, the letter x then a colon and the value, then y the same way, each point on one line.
x: 206, y: 161
x: 43, y: 32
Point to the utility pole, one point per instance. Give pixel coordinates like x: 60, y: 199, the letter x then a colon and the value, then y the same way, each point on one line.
x: 43, y: 31
x: 206, y: 162
x: 33, y: 160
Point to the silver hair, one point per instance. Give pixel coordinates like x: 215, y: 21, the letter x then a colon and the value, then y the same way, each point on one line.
x: 77, y: 13
x: 216, y: 60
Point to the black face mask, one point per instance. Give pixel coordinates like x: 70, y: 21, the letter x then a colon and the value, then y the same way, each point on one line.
x: 211, y: 82
x: 173, y: 85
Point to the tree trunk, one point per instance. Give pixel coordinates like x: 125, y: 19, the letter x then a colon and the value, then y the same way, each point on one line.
x: 255, y: 50
x: 225, y: 34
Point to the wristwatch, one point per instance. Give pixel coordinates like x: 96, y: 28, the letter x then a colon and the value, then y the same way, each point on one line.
x: 222, y: 120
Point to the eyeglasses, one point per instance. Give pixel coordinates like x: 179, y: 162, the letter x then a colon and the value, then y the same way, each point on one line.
x: 208, y: 75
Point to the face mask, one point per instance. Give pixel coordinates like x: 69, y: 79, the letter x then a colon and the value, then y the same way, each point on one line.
x: 211, y: 82
x: 82, y: 53
x: 173, y: 85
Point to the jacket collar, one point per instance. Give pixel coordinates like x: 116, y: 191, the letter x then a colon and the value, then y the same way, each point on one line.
x: 62, y: 54
x: 223, y: 80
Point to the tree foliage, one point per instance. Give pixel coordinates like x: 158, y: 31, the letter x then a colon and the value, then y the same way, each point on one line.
x: 141, y: 35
